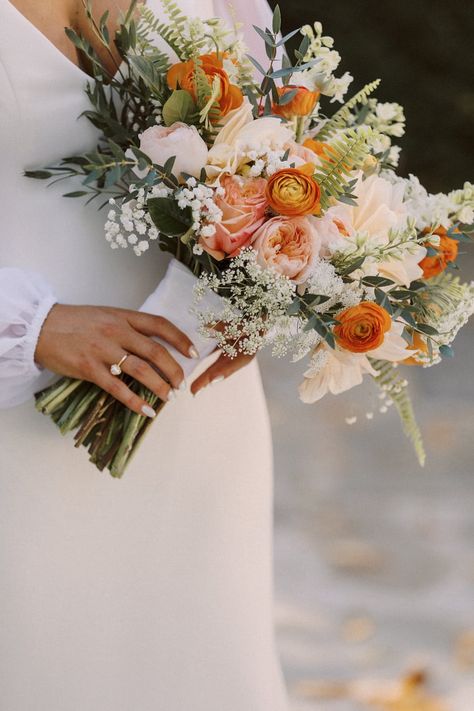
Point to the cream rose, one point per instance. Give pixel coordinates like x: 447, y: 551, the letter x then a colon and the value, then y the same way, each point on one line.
x: 241, y: 134
x: 379, y: 209
x: 290, y: 245
x: 179, y: 140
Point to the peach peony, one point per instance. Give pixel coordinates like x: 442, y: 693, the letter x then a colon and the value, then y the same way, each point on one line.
x: 302, y: 104
x: 243, y: 207
x: 294, y: 192
x: 290, y: 245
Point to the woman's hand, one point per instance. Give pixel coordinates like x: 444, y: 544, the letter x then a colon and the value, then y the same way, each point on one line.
x: 84, y: 341
x: 222, y: 368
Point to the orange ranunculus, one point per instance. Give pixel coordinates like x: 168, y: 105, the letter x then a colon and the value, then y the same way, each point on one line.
x: 363, y: 327
x: 419, y: 346
x: 447, y: 251
x: 302, y: 104
x: 182, y: 75
x: 294, y: 192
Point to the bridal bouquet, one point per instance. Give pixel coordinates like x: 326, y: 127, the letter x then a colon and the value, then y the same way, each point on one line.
x: 287, y: 222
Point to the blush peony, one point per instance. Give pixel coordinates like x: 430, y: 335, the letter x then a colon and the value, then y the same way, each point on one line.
x: 179, y: 140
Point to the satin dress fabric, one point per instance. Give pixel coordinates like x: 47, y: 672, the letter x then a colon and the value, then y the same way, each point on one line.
x: 150, y: 593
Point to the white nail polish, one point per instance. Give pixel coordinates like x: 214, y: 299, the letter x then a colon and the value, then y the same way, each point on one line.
x: 219, y: 379
x: 148, y: 411
x: 171, y: 395
x: 193, y: 353
x: 183, y: 386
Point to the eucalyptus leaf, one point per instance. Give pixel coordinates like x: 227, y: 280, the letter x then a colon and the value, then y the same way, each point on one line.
x: 38, y: 174
x: 425, y: 328
x: 256, y: 64
x: 268, y: 39
x: 276, y: 22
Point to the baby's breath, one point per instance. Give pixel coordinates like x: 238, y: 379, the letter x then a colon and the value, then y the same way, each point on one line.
x: 255, y: 299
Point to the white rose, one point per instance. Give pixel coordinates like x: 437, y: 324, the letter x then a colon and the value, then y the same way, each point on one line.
x: 179, y: 140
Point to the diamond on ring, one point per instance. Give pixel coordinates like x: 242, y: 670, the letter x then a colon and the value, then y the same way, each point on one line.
x: 115, y: 368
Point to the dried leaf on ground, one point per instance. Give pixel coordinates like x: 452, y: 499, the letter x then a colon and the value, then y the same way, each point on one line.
x: 407, y: 694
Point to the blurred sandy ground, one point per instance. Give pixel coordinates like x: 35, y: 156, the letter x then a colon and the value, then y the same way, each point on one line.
x: 374, y: 555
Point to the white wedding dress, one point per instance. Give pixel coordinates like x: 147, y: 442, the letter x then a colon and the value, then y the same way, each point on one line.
x: 150, y: 593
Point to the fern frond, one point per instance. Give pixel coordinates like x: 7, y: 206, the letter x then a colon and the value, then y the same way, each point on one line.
x: 206, y: 94
x: 342, y: 117
x: 171, y: 33
x: 345, y: 154
x: 395, y: 386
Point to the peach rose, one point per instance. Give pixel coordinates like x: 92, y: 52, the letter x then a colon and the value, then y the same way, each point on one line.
x: 294, y: 192
x: 363, y: 327
x: 182, y: 75
x: 179, y: 140
x: 290, y: 245
x: 447, y: 251
x: 243, y: 207
x: 302, y: 104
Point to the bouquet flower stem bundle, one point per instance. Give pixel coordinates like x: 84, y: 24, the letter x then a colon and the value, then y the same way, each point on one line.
x: 286, y: 220
x: 108, y: 429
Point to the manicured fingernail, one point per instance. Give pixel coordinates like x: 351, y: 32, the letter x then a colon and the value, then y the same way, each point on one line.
x: 171, y: 395
x: 219, y: 379
x: 193, y: 352
x: 183, y: 386
x: 148, y: 411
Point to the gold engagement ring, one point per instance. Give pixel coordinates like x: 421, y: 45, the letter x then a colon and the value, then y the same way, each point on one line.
x: 115, y: 368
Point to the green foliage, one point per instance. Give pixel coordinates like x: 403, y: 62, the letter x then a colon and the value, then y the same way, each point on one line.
x: 342, y: 118
x: 348, y: 152
x: 179, y: 107
x: 171, y: 32
x: 391, y: 382
x: 168, y: 217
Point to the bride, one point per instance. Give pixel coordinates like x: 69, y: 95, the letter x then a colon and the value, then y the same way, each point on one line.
x: 152, y: 593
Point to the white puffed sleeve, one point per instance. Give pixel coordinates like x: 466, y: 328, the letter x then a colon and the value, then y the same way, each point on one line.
x: 25, y: 301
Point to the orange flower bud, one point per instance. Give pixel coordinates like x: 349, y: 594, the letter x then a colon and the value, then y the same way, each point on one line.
x: 302, y: 104
x: 294, y: 192
x: 447, y: 251
x: 363, y: 327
